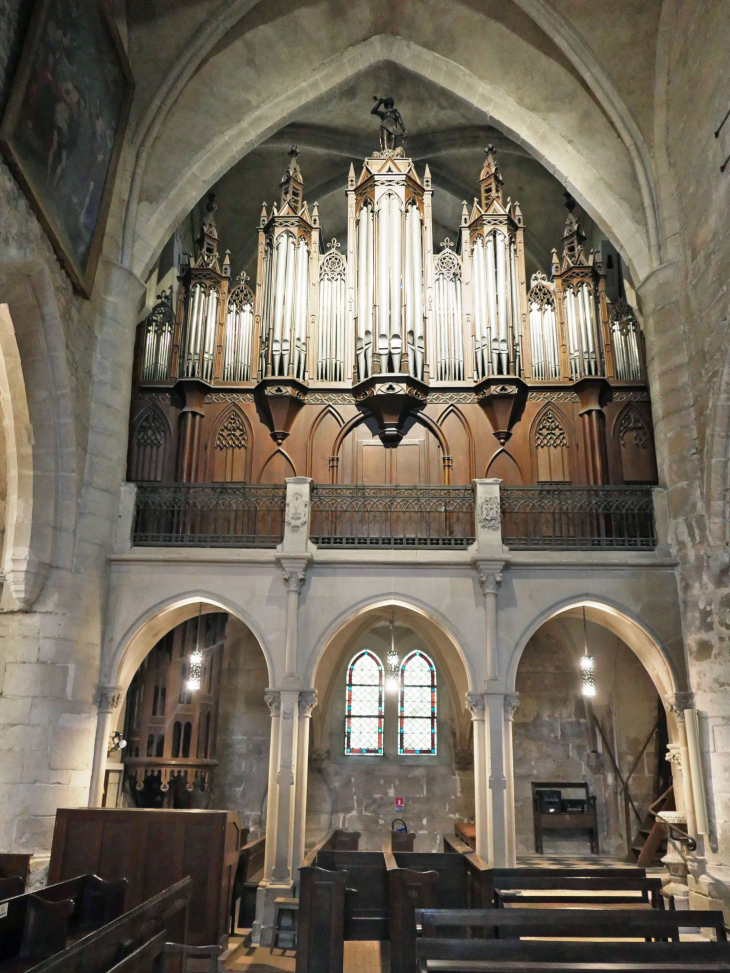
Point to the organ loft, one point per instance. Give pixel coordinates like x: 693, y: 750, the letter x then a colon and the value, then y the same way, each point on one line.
x: 388, y: 358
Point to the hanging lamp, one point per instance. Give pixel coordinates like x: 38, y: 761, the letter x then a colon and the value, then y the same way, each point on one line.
x: 195, y: 669
x: 391, y: 682
x: 586, y: 664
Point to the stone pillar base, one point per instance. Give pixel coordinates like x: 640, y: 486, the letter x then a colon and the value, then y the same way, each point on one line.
x: 262, y: 933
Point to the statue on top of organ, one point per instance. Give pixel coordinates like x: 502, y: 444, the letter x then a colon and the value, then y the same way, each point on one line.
x: 386, y: 333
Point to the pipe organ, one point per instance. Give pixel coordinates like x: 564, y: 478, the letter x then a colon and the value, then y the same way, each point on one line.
x: 386, y: 322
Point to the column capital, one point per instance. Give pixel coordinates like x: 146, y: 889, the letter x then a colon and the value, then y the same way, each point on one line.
x: 476, y: 705
x: 294, y: 571
x: 489, y: 578
x: 307, y: 702
x: 679, y: 703
x: 511, y: 704
x: 273, y: 701
x: 674, y: 754
x: 108, y: 698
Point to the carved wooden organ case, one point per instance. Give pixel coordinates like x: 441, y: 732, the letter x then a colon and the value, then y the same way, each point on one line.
x: 383, y: 362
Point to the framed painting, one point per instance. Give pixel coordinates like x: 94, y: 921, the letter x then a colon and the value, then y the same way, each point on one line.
x: 64, y: 125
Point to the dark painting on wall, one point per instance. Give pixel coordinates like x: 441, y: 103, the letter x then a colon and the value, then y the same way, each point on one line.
x: 63, y: 128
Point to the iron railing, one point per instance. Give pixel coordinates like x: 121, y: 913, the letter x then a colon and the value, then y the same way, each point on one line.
x: 392, y: 516
x: 569, y: 517
x: 208, y: 515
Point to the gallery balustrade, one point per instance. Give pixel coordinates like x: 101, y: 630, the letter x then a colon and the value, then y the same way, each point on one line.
x: 547, y: 517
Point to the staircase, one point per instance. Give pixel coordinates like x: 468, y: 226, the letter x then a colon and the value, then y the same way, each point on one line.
x: 650, y: 844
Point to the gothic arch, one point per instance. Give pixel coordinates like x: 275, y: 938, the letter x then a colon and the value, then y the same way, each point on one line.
x: 39, y: 432
x: 452, y: 410
x: 634, y: 445
x: 278, y: 456
x: 502, y: 464
x: 550, y: 429
x: 149, y: 445
x: 554, y: 149
x: 233, y: 424
x: 328, y: 410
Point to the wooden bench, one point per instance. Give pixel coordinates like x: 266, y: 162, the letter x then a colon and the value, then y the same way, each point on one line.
x: 568, y: 889
x: 104, y: 949
x: 249, y: 873
x: 517, y: 956
x: 39, y: 924
x: 648, y: 924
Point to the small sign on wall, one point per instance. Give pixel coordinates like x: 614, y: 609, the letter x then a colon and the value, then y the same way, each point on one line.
x: 400, y: 804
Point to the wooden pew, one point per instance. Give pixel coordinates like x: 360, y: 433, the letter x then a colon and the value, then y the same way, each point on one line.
x: 588, y: 890
x: 246, y: 882
x: 417, y: 880
x: 14, y: 866
x: 12, y: 886
x: 649, y: 924
x: 39, y: 924
x: 165, y: 913
x: 517, y: 956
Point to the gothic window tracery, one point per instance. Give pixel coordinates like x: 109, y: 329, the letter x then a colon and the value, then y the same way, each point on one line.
x: 417, y: 705
x: 552, y: 448
x: 364, y: 705
x: 149, y: 446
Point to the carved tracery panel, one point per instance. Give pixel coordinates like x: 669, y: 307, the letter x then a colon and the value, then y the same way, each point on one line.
x: 552, y: 448
x: 635, y: 447
x: 230, y: 449
x: 150, y: 446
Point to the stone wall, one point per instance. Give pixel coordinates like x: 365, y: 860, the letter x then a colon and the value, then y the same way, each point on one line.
x: 555, y: 740
x: 244, y: 730
x: 358, y: 792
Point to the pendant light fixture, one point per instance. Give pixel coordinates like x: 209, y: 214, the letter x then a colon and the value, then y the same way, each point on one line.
x: 195, y: 669
x: 391, y: 682
x: 586, y: 664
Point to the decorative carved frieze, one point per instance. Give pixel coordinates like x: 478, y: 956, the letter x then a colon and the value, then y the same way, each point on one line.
x: 228, y: 397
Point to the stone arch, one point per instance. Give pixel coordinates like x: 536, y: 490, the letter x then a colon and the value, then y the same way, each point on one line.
x: 328, y: 411
x: 555, y: 434
x: 39, y: 433
x: 121, y: 660
x: 617, y: 619
x: 233, y: 424
x: 717, y: 475
x: 557, y: 153
x: 424, y: 616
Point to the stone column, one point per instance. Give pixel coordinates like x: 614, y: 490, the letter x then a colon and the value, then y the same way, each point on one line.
x: 488, y: 560
x: 475, y: 704
x: 497, y: 796
x: 511, y: 702
x: 108, y: 699
x: 307, y: 702
x: 490, y: 578
x: 677, y: 705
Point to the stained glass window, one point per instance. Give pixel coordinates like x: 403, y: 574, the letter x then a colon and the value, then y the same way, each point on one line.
x: 417, y: 705
x: 364, y: 705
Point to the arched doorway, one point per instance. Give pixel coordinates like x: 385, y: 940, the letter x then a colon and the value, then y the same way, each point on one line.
x: 390, y: 724
x: 191, y: 744
x: 614, y: 737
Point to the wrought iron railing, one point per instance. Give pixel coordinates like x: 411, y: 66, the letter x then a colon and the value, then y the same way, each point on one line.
x: 568, y: 517
x: 208, y: 515
x: 392, y: 516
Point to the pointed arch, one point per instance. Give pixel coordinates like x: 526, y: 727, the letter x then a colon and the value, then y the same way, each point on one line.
x: 634, y: 445
x: 552, y: 446
x: 277, y: 467
x: 504, y: 466
x: 453, y: 412
x: 328, y: 411
x: 149, y: 445
x: 230, y: 447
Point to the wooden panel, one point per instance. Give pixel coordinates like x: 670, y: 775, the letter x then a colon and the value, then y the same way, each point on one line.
x: 408, y: 460
x: 374, y: 462
x: 153, y: 849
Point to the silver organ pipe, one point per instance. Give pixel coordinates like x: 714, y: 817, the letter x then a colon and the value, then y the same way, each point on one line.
x: 384, y: 281
x: 625, y: 342
x: 414, y: 291
x: 587, y: 312
x: 331, y: 344
x: 299, y: 323
x: 516, y: 335
x: 575, y: 350
x: 396, y: 292
x: 447, y: 349
x: 288, y: 316
x: 492, y: 329
x: 503, y: 308
x: 194, y: 327
x: 279, y: 298
x: 365, y: 297
x: 158, y: 343
x: 543, y: 330
x: 238, y: 336
x: 209, y: 337
x: 481, y: 328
